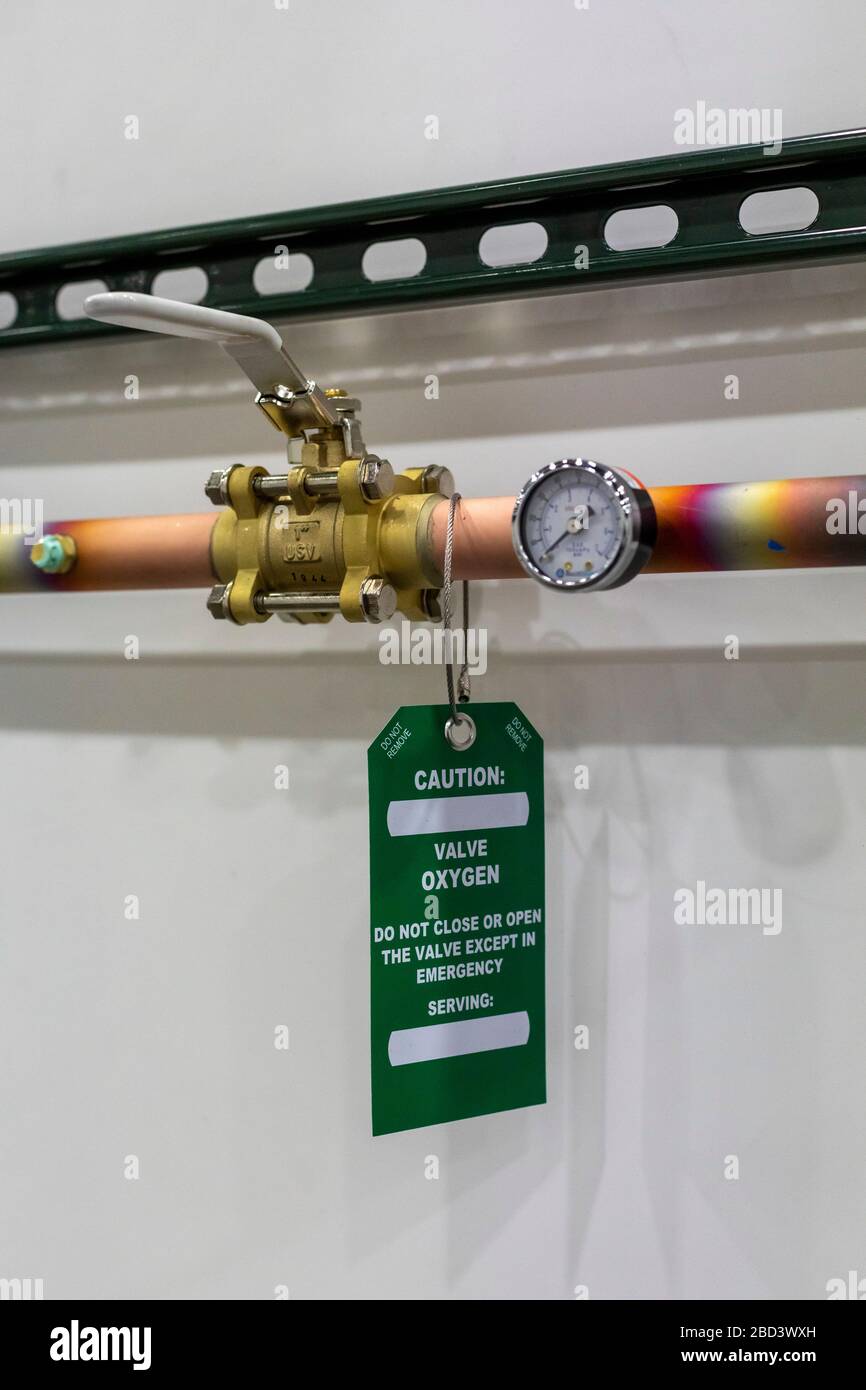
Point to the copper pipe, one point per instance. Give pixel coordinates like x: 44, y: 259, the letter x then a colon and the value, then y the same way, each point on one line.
x: 789, y: 523
x: 173, y: 552
x: 799, y: 522
x: 482, y: 538
x: 125, y: 552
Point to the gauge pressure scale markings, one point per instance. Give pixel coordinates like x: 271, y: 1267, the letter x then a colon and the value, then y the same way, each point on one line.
x: 579, y: 525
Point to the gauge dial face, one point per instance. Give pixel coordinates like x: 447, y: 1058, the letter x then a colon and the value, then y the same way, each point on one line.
x: 573, y: 526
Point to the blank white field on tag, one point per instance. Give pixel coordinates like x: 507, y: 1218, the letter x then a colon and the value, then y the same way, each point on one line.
x: 437, y: 815
x: 437, y: 1040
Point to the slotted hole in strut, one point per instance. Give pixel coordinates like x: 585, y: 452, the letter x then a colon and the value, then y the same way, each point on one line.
x: 70, y: 298
x: 8, y: 309
x: 284, y: 272
x: 640, y: 229
x: 779, y: 210
x: 394, y: 260
x: 188, y: 284
x: 519, y: 243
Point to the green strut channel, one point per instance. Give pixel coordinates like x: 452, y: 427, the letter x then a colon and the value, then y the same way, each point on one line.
x: 705, y: 189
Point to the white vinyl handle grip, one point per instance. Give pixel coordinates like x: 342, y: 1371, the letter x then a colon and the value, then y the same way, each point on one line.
x: 254, y: 344
x: 183, y: 320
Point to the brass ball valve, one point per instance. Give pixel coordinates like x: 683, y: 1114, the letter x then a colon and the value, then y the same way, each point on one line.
x: 338, y: 532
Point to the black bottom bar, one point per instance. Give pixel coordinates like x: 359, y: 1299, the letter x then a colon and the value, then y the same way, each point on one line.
x: 217, y: 1339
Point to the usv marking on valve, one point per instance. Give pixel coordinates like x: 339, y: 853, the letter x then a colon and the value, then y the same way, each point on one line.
x: 456, y: 918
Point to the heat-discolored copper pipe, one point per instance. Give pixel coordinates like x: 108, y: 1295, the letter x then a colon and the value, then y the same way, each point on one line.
x: 790, y: 523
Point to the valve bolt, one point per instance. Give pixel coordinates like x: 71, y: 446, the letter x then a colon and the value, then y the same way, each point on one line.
x: 378, y: 599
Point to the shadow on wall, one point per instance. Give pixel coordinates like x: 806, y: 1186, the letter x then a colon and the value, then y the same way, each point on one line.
x: 783, y: 696
x: 543, y: 363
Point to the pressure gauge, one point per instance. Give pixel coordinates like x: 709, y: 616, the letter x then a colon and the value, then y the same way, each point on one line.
x: 579, y: 525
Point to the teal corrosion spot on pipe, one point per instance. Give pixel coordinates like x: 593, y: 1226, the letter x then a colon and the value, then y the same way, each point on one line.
x: 54, y: 554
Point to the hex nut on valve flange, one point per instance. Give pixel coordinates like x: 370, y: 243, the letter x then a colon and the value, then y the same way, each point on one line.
x: 375, y: 478
x: 216, y: 489
x: 218, y: 604
x: 436, y: 478
x: 378, y: 599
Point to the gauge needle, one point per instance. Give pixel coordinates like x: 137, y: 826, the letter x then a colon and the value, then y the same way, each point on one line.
x: 581, y: 514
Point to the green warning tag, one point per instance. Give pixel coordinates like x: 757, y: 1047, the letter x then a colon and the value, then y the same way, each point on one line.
x: 456, y: 918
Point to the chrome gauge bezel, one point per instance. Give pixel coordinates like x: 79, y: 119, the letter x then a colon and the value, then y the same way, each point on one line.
x: 637, y: 535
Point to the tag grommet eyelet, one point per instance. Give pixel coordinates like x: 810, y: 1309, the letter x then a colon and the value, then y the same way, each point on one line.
x: 460, y: 741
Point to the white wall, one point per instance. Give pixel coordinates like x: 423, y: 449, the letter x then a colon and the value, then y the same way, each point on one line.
x: 156, y: 777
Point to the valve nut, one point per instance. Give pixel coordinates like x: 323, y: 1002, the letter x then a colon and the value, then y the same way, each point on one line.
x: 218, y: 601
x: 376, y: 478
x: 217, y: 486
x: 438, y: 479
x: 378, y: 599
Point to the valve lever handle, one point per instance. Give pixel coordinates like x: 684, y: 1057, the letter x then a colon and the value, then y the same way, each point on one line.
x: 254, y: 345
